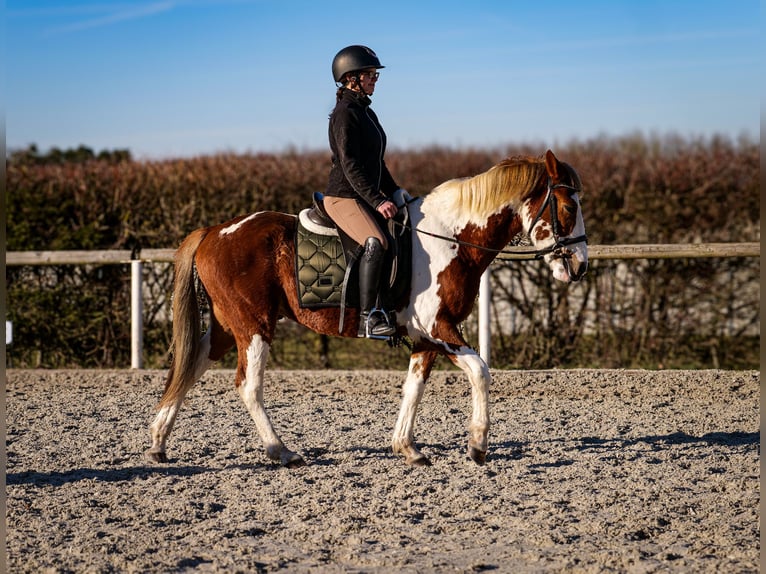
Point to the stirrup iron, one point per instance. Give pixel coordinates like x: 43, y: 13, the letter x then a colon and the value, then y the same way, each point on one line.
x: 390, y: 330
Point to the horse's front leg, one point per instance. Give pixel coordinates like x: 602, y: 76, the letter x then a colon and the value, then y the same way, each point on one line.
x: 403, y: 442
x: 478, y: 375
x: 252, y: 362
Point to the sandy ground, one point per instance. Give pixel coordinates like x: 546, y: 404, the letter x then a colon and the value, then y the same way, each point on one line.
x: 588, y: 471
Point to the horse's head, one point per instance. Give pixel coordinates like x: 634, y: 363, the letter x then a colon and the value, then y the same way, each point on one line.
x: 554, y: 222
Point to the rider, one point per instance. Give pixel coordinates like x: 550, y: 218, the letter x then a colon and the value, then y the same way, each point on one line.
x: 358, y: 195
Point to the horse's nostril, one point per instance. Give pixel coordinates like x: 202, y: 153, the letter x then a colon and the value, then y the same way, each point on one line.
x: 579, y: 269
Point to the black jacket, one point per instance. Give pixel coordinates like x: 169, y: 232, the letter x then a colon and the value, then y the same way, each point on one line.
x: 358, y: 144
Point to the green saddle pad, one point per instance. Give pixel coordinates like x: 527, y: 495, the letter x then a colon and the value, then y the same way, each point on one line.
x: 320, y: 268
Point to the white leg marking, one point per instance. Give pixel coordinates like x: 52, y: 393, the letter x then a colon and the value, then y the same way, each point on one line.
x: 478, y: 375
x: 412, y: 392
x: 404, y: 431
x: 161, y: 427
x: 251, y: 391
x: 166, y: 416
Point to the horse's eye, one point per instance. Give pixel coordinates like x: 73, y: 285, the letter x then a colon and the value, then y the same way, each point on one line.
x: 570, y: 209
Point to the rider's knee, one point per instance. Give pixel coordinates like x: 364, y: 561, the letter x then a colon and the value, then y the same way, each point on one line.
x: 374, y: 248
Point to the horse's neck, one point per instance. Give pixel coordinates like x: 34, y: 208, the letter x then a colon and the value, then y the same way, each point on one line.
x: 437, y: 215
x: 490, y: 234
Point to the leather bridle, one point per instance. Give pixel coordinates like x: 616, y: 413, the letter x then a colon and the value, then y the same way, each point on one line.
x: 559, y: 246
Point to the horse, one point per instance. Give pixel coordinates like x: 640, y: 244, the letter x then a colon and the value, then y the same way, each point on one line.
x: 246, y: 269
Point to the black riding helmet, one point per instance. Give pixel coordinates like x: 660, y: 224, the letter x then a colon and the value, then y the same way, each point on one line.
x: 352, y: 59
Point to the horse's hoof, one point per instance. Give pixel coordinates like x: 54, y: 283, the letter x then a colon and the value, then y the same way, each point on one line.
x: 411, y: 455
x: 421, y: 460
x: 159, y: 457
x: 293, y: 461
x: 296, y: 463
x: 476, y: 455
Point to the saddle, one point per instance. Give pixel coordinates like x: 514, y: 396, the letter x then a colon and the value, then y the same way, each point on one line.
x: 325, y: 258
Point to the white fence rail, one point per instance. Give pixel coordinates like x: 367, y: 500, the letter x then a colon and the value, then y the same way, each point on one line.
x: 136, y: 260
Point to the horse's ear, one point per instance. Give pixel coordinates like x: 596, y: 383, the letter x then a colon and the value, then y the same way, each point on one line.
x: 552, y: 164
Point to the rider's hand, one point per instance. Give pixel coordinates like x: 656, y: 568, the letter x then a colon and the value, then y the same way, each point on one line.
x: 387, y: 209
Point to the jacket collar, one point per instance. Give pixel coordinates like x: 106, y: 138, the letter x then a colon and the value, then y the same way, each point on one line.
x: 357, y: 97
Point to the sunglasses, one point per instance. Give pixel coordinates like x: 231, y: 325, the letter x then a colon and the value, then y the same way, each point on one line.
x: 372, y: 75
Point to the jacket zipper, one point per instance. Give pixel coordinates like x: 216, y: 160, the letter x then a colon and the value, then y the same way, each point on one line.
x: 380, y: 156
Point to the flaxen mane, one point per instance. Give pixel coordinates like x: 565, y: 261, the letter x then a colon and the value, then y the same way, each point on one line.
x: 510, y: 181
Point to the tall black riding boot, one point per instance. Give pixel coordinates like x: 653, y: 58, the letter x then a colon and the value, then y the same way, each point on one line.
x: 374, y: 323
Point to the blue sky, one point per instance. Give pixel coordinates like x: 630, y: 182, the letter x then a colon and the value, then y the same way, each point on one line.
x: 180, y: 78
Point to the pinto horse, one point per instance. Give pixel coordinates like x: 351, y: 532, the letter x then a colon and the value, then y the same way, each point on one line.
x: 246, y: 267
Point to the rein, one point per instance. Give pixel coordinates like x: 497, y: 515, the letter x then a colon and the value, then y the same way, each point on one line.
x: 550, y: 201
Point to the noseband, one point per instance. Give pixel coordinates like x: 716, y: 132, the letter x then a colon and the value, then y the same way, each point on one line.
x: 558, y: 249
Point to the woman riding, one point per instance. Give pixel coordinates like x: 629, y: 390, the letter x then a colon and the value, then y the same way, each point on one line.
x: 358, y: 195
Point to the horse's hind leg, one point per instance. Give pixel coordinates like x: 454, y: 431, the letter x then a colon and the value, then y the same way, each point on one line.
x: 176, y: 390
x: 252, y: 364
x: 403, y: 442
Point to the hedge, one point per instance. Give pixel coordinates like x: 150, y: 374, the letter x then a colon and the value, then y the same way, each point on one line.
x: 637, y: 189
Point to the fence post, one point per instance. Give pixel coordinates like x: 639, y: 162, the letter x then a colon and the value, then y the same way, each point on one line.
x: 136, y: 314
x: 485, y: 297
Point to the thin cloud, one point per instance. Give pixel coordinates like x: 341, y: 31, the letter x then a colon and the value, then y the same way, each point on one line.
x: 101, y: 14
x: 116, y: 15
x: 68, y: 10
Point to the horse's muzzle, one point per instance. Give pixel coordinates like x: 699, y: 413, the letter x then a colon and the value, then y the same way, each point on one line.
x: 575, y: 268
x: 578, y: 270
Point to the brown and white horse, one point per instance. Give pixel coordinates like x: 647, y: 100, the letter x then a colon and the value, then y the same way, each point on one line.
x: 247, y: 269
